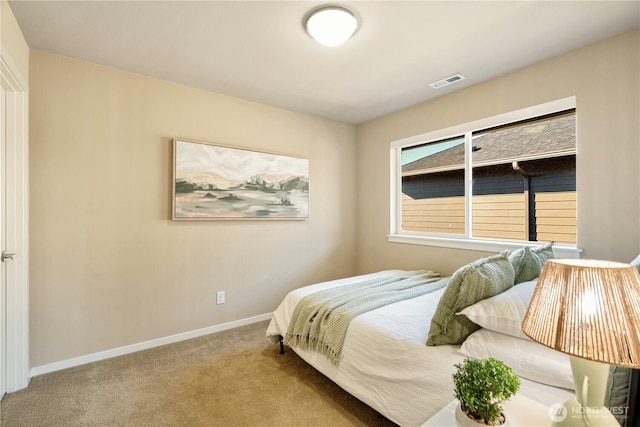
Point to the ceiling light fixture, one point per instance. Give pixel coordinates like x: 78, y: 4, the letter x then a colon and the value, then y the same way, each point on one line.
x: 331, y: 25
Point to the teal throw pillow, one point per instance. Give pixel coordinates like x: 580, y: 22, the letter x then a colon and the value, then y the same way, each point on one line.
x: 474, y: 282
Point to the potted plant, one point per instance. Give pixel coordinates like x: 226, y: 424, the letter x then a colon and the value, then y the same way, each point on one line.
x: 482, y: 386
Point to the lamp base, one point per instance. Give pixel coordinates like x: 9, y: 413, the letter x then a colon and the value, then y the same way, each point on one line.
x: 573, y: 414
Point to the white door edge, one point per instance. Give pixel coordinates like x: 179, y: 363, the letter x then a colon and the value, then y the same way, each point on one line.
x: 17, y: 185
x: 3, y: 284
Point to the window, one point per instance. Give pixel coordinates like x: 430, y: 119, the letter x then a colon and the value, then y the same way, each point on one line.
x: 510, y: 178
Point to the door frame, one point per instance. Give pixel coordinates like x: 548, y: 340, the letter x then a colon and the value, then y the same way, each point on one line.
x: 17, y: 216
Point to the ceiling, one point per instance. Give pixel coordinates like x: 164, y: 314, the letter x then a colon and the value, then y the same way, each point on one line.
x: 258, y: 50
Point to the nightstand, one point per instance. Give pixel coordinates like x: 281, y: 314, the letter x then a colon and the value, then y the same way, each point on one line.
x: 521, y: 411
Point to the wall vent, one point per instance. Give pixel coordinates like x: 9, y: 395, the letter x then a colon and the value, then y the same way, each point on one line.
x: 447, y: 81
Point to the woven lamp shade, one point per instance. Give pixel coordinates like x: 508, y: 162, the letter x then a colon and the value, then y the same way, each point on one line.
x: 588, y: 309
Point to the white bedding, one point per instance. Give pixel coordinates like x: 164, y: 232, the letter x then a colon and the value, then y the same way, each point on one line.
x: 385, y: 362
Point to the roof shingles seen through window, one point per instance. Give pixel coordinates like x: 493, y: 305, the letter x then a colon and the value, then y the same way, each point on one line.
x: 545, y: 138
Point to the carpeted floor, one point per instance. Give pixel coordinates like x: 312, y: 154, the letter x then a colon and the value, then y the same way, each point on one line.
x: 231, y: 378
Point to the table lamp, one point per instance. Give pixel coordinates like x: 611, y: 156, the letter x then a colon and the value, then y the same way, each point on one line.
x: 589, y: 310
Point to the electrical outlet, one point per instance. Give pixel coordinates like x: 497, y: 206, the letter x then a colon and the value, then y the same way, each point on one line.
x: 220, y: 297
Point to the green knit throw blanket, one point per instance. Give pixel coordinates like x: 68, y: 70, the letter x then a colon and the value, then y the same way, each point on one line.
x: 320, y: 320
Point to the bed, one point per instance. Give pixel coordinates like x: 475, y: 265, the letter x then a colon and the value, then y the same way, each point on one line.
x: 385, y: 363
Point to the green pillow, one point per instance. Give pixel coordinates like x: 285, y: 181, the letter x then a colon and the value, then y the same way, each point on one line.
x: 636, y: 263
x: 617, y: 392
x: 527, y: 262
x: 544, y: 252
x: 526, y: 265
x: 474, y: 282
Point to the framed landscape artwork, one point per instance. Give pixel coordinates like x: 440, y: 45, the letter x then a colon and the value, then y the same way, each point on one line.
x: 218, y: 182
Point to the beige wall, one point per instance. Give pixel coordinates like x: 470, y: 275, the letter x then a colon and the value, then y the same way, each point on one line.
x: 604, y: 77
x: 108, y: 266
x: 13, y: 42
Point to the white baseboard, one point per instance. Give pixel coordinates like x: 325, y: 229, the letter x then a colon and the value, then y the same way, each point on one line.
x: 119, y: 351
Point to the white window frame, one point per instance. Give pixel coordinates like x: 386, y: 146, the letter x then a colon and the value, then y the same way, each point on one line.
x: 465, y: 241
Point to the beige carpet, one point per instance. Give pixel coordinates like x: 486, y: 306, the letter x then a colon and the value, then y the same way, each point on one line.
x: 232, y: 378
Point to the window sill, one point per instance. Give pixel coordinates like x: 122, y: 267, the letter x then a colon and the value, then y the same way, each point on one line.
x: 561, y: 250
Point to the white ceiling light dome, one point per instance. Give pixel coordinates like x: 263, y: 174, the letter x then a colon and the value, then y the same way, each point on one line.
x: 331, y: 25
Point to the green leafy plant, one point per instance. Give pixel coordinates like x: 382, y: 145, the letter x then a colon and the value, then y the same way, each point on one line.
x: 482, y: 386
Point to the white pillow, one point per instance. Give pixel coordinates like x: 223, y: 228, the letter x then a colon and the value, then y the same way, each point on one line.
x: 527, y: 358
x: 504, y: 312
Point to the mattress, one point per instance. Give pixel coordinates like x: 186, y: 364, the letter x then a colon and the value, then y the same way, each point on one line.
x: 385, y: 362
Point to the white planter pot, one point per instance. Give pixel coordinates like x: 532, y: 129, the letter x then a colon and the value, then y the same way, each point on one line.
x: 463, y: 421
